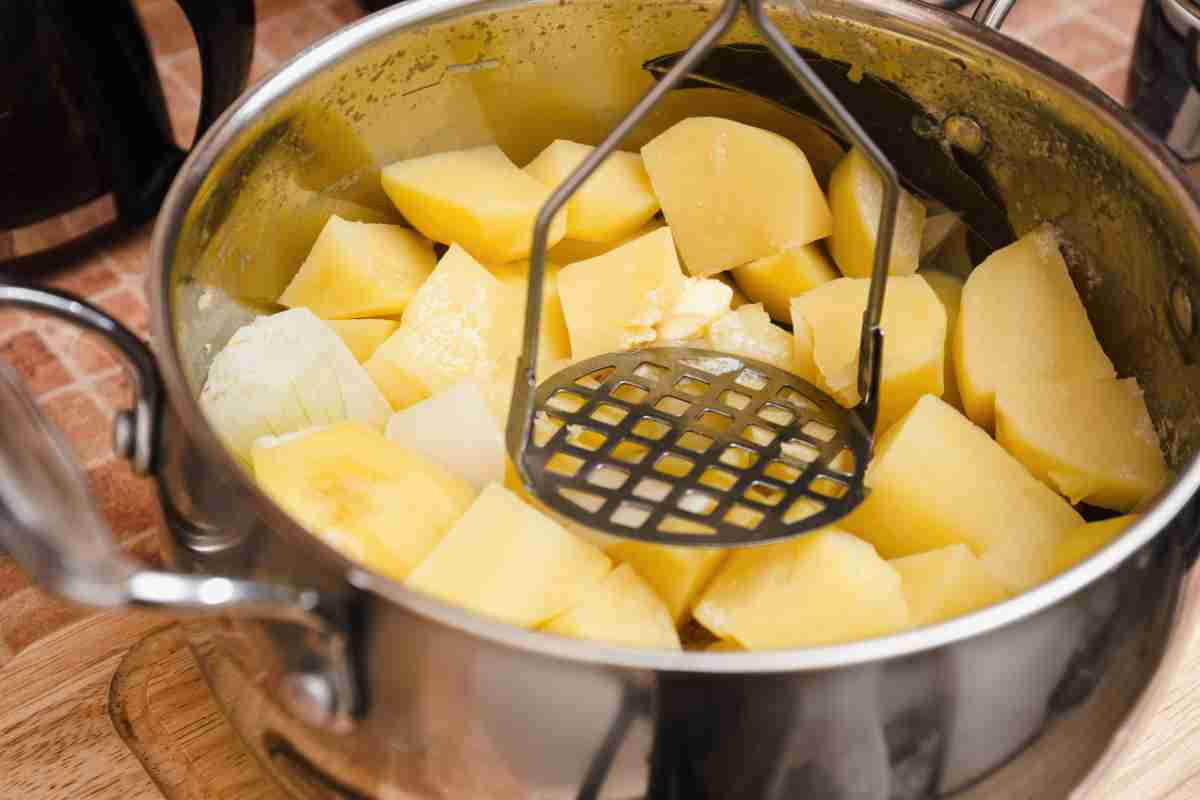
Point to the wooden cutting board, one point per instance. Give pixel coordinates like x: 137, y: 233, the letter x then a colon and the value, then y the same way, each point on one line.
x: 115, y: 707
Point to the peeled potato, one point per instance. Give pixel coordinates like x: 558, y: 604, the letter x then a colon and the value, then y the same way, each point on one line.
x: 822, y: 588
x: 827, y: 325
x: 945, y: 583
x: 1091, y: 440
x: 568, y: 251
x: 937, y: 480
x: 1087, y: 540
x: 1021, y: 320
x: 622, y: 609
x: 462, y: 323
x: 856, y: 197
x: 554, y: 347
x: 775, y: 280
x: 363, y: 336
x: 614, y: 202
x: 382, y: 504
x: 738, y: 300
x: 733, y: 193
x: 748, y: 332
x: 677, y: 574
x: 613, y: 302
x: 475, y: 198
x: 948, y: 288
x: 359, y: 269
x: 506, y: 560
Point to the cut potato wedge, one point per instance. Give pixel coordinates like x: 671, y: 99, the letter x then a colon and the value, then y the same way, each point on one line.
x: 856, y: 197
x: 623, y: 610
x: 1021, y: 321
x: 554, y: 346
x: 946, y: 583
x: 795, y: 594
x: 748, y: 332
x: 613, y: 203
x: 381, y: 504
x: 677, y: 574
x: 827, y: 326
x: 363, y: 336
x: 568, y: 251
x: 775, y: 280
x: 738, y: 299
x: 506, y: 560
x: 938, y: 480
x: 476, y: 198
x: 1087, y: 540
x: 712, y: 177
x: 1090, y: 440
x: 462, y: 323
x: 358, y: 269
x: 948, y: 288
x: 615, y: 301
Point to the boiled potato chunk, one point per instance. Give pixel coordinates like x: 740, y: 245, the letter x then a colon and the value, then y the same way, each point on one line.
x: 476, y: 198
x: 677, y: 574
x: 381, y: 504
x: 822, y: 588
x: 1091, y: 440
x: 748, y: 332
x: 568, y: 251
x: 699, y: 303
x: 856, y: 197
x: 358, y: 269
x: 738, y: 299
x: 827, y: 324
x: 775, y: 280
x: 614, y: 202
x: 948, y: 288
x: 507, y: 560
x: 733, y: 193
x: 938, y: 480
x: 622, y: 609
x: 554, y: 347
x: 613, y: 302
x: 461, y: 323
x: 945, y: 583
x: 1021, y: 321
x: 284, y: 373
x: 363, y: 336
x: 1087, y: 540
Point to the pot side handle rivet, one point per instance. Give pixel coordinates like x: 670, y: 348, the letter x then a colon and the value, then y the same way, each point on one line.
x: 1183, y: 313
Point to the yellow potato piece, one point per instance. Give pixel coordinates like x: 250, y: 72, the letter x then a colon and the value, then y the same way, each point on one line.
x: 738, y: 300
x: 612, y: 204
x: 945, y: 583
x: 622, y: 609
x: 733, y: 193
x: 937, y: 480
x: 748, y: 332
x: 856, y: 197
x: 823, y: 588
x: 555, y: 344
x: 1091, y: 440
x: 359, y: 269
x: 613, y: 302
x: 363, y: 336
x: 948, y: 288
x: 1021, y: 320
x: 568, y: 251
x: 677, y: 574
x: 724, y: 646
x: 381, y: 504
x: 914, y: 327
x: 462, y: 323
x: 775, y: 280
x: 509, y: 561
x: 1087, y: 540
x: 476, y: 198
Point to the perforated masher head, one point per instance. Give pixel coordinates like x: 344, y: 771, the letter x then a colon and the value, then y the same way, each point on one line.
x: 679, y: 445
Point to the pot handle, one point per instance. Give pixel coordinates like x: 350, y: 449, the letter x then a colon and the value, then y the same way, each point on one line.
x: 989, y: 13
x: 50, y: 524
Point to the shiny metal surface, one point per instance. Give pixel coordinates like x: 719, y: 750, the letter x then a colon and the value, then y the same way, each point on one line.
x: 1019, y: 700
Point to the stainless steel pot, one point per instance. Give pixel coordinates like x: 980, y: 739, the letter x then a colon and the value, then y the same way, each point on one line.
x: 390, y: 694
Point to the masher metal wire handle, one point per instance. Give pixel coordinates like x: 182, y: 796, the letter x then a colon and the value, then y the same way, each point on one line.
x: 522, y: 411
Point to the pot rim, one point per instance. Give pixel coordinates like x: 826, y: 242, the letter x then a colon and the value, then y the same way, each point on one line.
x: 305, y: 66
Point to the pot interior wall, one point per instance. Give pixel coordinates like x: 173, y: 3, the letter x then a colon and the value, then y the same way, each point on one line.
x: 523, y: 76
